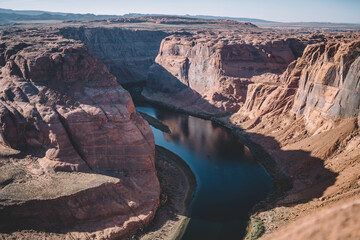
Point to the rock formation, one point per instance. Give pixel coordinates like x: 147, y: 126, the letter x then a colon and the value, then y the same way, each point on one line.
x: 220, y: 65
x: 314, y: 130
x: 65, y: 112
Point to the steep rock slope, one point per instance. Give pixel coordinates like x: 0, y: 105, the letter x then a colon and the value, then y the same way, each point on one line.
x: 127, y: 53
x: 329, y: 85
x: 219, y: 66
x: 65, y: 112
x: 338, y: 222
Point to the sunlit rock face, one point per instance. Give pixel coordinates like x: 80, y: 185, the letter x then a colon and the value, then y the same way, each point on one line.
x: 220, y: 66
x: 329, y: 85
x: 59, y: 104
x: 318, y: 87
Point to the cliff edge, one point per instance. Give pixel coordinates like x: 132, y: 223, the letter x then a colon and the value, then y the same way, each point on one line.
x: 82, y: 158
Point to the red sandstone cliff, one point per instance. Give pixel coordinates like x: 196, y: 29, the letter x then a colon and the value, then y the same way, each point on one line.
x: 304, y: 112
x: 220, y: 66
x: 63, y: 110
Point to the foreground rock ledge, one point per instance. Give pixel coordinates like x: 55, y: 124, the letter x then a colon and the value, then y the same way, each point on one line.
x: 85, y: 161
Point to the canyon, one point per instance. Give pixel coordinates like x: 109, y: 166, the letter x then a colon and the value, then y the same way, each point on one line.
x: 70, y: 133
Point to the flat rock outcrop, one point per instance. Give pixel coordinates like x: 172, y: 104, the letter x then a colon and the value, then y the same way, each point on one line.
x: 63, y: 110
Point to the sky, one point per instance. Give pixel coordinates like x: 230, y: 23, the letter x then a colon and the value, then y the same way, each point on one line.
x: 341, y: 11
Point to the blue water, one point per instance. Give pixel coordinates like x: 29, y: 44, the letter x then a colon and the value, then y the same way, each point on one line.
x: 229, y: 181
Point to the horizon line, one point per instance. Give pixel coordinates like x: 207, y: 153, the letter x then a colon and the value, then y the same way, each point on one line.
x: 161, y: 14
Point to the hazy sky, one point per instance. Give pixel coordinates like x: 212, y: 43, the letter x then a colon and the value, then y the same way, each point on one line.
x: 277, y: 10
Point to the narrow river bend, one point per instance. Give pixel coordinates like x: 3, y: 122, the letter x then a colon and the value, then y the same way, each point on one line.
x: 229, y: 181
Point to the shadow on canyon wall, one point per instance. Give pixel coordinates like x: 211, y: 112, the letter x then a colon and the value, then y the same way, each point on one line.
x: 166, y: 90
x: 299, y: 174
x: 128, y: 54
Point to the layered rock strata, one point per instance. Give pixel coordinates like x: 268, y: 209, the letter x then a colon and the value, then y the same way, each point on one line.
x: 65, y: 112
x: 301, y: 106
x: 127, y: 53
x: 219, y: 66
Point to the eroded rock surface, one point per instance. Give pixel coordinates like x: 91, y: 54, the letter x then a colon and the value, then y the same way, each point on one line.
x: 127, y: 53
x: 65, y: 112
x: 219, y: 66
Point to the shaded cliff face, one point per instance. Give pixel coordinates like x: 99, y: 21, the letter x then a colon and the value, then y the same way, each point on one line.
x: 61, y: 105
x: 128, y: 54
x: 220, y: 66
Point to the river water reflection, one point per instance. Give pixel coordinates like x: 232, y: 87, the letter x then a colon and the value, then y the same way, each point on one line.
x: 229, y: 181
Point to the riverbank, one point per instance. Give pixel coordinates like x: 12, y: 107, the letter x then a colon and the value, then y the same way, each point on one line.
x: 309, y: 171
x: 178, y: 185
x: 155, y: 123
x: 282, y: 182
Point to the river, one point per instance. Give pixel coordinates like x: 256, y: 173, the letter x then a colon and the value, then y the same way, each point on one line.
x: 229, y: 180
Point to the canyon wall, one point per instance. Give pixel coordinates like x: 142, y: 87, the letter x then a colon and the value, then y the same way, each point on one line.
x: 127, y: 53
x: 329, y: 84
x: 299, y: 99
x: 220, y: 66
x: 63, y: 111
x: 319, y: 87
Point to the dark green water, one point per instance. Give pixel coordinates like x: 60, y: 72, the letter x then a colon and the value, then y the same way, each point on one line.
x: 229, y: 181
